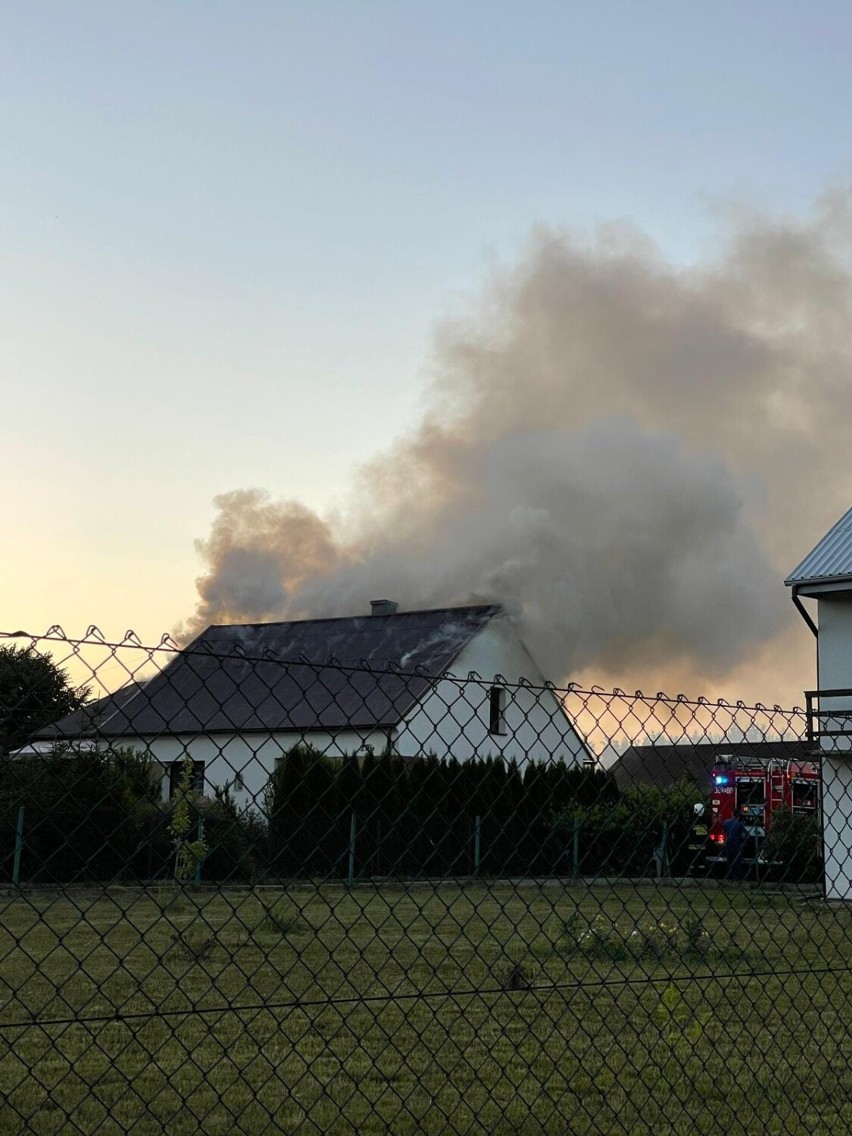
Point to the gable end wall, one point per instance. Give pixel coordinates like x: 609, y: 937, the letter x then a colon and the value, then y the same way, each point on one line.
x: 453, y: 718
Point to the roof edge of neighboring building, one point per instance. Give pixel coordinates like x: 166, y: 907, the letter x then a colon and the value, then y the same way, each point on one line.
x: 830, y: 560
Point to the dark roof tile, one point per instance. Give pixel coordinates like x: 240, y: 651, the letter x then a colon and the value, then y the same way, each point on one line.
x: 275, y: 676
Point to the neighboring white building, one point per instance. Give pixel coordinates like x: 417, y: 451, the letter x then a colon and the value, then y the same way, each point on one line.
x: 451, y: 682
x: 826, y: 576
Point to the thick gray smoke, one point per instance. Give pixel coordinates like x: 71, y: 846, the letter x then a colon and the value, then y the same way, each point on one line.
x: 630, y: 455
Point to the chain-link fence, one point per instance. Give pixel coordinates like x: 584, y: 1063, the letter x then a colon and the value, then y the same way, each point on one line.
x: 249, y: 892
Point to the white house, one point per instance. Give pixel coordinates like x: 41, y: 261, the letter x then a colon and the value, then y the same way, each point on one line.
x: 825, y: 575
x: 451, y: 682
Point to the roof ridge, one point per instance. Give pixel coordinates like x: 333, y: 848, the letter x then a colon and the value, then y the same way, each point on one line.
x: 495, y: 607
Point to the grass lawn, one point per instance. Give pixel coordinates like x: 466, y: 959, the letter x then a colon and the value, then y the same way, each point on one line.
x: 472, y: 1009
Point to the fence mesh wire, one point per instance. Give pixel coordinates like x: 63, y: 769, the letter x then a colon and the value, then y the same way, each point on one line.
x: 249, y: 893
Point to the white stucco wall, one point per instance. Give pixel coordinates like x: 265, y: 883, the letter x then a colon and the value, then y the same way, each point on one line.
x: 834, y: 647
x: 253, y: 756
x: 837, y: 826
x: 454, y: 718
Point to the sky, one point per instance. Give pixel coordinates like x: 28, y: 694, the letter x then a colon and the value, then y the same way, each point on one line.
x: 229, y: 232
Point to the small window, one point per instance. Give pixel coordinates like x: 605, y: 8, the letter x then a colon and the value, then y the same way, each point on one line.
x: 751, y: 794
x: 806, y: 795
x: 496, y: 710
x: 176, y: 772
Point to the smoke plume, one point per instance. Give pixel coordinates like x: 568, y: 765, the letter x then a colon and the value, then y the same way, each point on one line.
x: 629, y: 454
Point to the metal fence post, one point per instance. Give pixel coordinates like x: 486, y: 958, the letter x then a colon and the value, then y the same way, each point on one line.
x: 19, y: 847
x: 476, y: 844
x: 350, y: 875
x: 661, y: 853
x: 575, y: 851
x: 664, y: 849
x: 197, y: 879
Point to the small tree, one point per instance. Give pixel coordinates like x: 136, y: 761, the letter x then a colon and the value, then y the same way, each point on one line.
x: 188, y: 853
x: 33, y: 693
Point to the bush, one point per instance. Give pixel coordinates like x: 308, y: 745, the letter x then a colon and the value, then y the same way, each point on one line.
x: 236, y: 839
x: 618, y: 837
x: 308, y: 815
x: 794, y: 847
x: 88, y: 815
x: 418, y: 817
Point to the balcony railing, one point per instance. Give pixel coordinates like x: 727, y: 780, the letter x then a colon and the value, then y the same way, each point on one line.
x: 825, y: 719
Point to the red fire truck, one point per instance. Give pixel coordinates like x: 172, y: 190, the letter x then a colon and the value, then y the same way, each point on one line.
x: 758, y: 788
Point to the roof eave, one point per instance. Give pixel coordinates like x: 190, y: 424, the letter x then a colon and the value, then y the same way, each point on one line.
x: 818, y: 585
x: 149, y: 736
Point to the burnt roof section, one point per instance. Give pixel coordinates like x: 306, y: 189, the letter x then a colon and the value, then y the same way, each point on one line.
x: 664, y: 764
x: 276, y: 676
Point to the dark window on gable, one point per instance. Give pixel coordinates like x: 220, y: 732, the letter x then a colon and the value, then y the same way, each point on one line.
x: 176, y: 772
x: 496, y: 709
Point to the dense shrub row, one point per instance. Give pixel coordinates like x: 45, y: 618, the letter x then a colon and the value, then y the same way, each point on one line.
x: 418, y: 818
x: 86, y: 816
x: 99, y: 816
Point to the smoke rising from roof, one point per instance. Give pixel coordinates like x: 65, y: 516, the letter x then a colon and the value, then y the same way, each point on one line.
x: 628, y: 454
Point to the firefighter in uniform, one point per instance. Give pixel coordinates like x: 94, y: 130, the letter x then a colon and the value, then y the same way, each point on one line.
x: 735, y: 837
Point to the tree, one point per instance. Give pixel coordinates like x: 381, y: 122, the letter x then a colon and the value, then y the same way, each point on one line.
x: 91, y: 814
x: 188, y: 853
x: 33, y: 693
